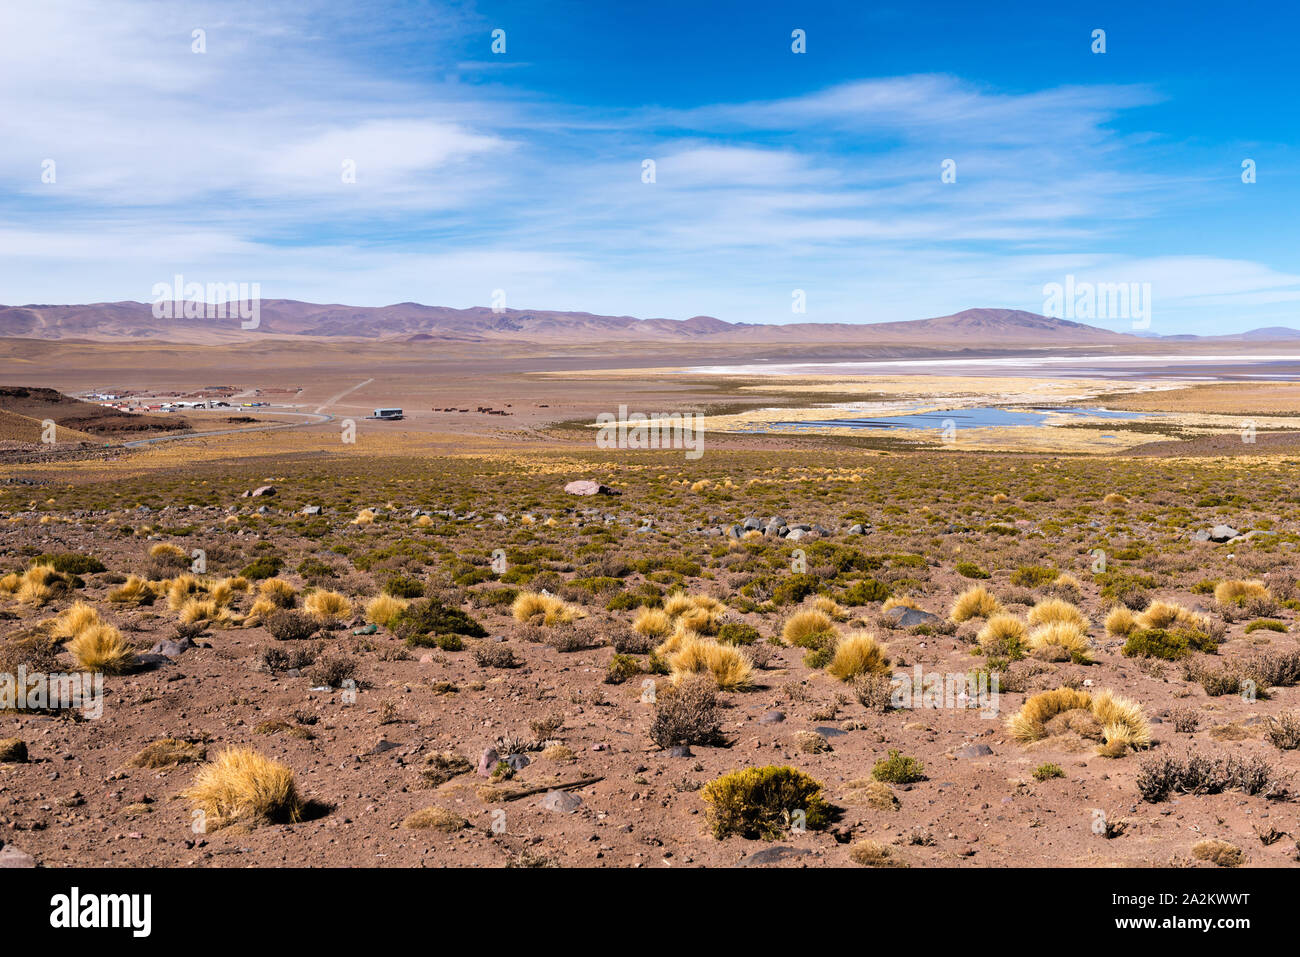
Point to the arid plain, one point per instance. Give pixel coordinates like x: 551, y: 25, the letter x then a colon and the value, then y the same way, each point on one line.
x: 455, y: 661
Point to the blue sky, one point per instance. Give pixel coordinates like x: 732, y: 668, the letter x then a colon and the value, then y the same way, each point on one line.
x: 774, y: 171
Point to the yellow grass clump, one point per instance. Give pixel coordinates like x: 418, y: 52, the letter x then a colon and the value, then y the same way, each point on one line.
x: 1027, y: 724
x: 382, y: 609
x: 278, y: 591
x: 1000, y: 631
x: 977, y: 602
x: 134, y: 591
x: 1235, y: 591
x: 653, y: 623
x: 1062, y: 634
x: 1123, y: 725
x: 1120, y: 621
x: 180, y: 589
x: 76, y: 619
x: 221, y: 593
x: 439, y: 819
x: 1163, y: 614
x: 101, y: 648
x: 259, y: 610
x: 700, y: 620
x: 859, y: 653
x: 243, y: 785
x: 202, y: 609
x: 677, y: 604
x: 1114, y: 498
x: 539, y: 608
x: 1051, y: 610
x: 9, y: 583
x: 802, y: 625
x: 327, y: 606
x: 166, y: 550
x: 364, y: 517
x: 830, y: 607
x: 424, y: 521
x: 674, y: 642
x: 730, y: 667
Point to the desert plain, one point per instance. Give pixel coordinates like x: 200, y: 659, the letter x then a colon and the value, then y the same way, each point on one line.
x: 458, y: 662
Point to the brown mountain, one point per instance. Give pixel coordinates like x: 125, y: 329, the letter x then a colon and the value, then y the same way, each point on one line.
x: 411, y: 321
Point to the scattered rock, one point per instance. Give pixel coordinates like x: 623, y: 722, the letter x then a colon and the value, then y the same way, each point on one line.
x: 10, y: 856
x: 267, y: 490
x: 904, y: 617
x: 487, y: 762
x: 973, y: 751
x: 774, y: 855
x: 771, y: 717
x: 560, y: 801
x: 588, y: 487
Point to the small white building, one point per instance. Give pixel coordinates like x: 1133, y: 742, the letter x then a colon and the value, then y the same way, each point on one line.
x: 387, y: 414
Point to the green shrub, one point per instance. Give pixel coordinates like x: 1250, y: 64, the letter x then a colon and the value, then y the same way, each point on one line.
x: 761, y: 802
x: 738, y: 633
x: 404, y: 586
x: 795, y: 588
x: 971, y: 570
x: 70, y: 563
x: 621, y: 668
x: 429, y: 622
x: 865, y: 592
x: 1045, y: 772
x: 1265, y: 624
x: 898, y: 769
x: 265, y: 566
x: 1169, y: 644
x: 1033, y: 576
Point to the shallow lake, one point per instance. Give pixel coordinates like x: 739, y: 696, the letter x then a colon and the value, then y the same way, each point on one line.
x: 978, y: 417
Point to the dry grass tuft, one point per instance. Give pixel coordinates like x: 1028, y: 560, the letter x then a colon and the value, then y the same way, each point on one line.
x: 278, y: 591
x: 327, y: 606
x: 134, y: 591
x: 76, y: 619
x: 1123, y: 725
x: 977, y: 602
x: 101, y: 648
x: 1052, y: 610
x: 859, y: 653
x: 435, y: 818
x: 382, y: 609
x: 244, y: 786
x: 1236, y: 592
x: 730, y: 667
x: 1120, y: 621
x: 168, y: 752
x: 1002, y: 633
x: 536, y: 608
x: 804, y: 625
x: 653, y: 623
x: 1027, y: 724
x: 1068, y: 636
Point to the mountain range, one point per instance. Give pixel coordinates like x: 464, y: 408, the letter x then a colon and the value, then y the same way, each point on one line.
x: 413, y: 322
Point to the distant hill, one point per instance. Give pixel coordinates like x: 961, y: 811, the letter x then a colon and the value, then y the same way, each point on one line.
x: 86, y: 419
x: 413, y: 322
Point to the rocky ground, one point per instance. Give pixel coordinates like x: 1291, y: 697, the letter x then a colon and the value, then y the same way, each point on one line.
x: 586, y: 784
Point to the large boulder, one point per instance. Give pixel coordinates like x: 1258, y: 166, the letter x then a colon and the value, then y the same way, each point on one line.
x: 588, y: 487
x: 903, y: 617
